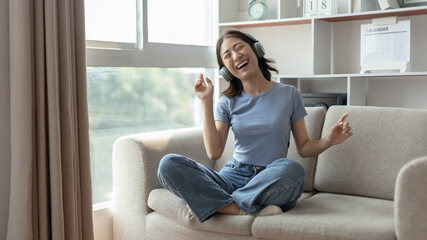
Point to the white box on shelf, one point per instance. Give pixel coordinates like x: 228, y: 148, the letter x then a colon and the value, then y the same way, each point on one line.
x: 388, y: 4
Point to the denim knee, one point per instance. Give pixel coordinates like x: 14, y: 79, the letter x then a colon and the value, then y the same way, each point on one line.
x: 291, y: 175
x: 168, y: 165
x: 291, y: 168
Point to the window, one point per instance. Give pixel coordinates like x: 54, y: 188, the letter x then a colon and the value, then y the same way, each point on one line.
x: 129, y: 100
x: 111, y: 20
x: 188, y: 22
x: 140, y: 81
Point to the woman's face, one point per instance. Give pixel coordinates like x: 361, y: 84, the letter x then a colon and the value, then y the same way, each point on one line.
x: 239, y: 58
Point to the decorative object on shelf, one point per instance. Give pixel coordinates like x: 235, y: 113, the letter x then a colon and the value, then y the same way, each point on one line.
x: 323, y: 99
x: 412, y: 3
x: 320, y: 7
x: 388, y: 4
x: 385, y: 45
x: 258, y: 10
x: 363, y: 5
x: 310, y: 8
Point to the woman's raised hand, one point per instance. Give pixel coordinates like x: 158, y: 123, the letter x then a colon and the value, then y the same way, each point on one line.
x: 203, y: 90
x: 340, y: 131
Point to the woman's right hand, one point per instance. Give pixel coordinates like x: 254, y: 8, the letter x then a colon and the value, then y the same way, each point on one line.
x: 203, y: 90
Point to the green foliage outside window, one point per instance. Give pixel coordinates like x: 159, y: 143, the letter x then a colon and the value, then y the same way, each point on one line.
x: 128, y: 100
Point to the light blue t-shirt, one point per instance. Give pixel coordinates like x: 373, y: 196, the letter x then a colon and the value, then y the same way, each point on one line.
x: 261, y: 123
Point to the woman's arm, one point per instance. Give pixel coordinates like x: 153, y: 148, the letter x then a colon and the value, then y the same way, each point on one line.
x: 214, y: 133
x: 309, y: 148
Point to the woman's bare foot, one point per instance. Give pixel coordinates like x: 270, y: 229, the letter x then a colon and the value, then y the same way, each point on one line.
x: 231, y: 209
x: 269, y: 210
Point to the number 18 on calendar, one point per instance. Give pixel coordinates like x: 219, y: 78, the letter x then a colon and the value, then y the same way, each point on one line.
x: 320, y: 7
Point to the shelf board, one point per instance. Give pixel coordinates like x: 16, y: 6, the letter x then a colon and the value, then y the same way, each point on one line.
x: 267, y: 23
x: 400, y: 12
x: 354, y: 75
x: 315, y: 76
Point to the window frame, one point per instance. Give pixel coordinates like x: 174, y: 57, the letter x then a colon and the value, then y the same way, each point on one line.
x: 150, y: 54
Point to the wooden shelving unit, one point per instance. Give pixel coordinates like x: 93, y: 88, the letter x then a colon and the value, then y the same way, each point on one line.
x: 323, y: 53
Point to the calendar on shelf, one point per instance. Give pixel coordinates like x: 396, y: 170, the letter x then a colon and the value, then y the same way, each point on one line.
x: 385, y: 46
x: 320, y: 7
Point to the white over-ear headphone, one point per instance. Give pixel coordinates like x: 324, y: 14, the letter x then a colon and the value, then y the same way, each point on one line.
x: 259, y: 52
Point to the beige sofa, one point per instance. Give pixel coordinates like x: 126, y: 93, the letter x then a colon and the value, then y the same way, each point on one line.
x: 373, y: 186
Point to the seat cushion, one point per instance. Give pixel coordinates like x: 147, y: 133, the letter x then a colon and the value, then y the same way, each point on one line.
x: 169, y: 205
x: 330, y: 216
x: 160, y: 227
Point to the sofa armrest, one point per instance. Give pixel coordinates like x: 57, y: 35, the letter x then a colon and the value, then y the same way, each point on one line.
x: 135, y: 162
x: 411, y: 201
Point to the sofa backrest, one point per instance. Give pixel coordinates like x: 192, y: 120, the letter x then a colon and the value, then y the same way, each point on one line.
x: 367, y: 164
x: 314, y: 123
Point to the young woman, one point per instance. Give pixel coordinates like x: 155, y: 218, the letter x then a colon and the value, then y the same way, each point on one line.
x: 259, y: 179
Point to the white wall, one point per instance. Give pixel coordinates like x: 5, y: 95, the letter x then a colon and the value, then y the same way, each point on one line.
x: 4, y: 118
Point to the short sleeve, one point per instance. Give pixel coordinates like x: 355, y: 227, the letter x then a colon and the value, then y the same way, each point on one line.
x: 222, y: 111
x: 298, y: 107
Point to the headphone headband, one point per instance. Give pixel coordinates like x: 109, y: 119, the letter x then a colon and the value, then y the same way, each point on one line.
x: 251, y: 37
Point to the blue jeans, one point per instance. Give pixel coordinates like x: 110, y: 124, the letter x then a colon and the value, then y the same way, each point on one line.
x: 251, y: 187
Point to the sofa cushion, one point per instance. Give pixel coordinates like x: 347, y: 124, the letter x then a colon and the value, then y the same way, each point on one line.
x: 160, y: 227
x: 169, y: 205
x: 367, y: 164
x: 314, y: 122
x: 330, y: 216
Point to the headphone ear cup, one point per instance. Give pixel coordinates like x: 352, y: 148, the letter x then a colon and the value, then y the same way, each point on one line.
x: 256, y: 46
x: 226, y: 74
x: 258, y: 49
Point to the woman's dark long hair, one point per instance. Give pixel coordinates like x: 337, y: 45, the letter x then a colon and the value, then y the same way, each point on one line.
x: 236, y: 86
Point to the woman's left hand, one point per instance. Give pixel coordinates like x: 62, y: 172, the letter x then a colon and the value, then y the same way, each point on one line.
x: 340, y: 131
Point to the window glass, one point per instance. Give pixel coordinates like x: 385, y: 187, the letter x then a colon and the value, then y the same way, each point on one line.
x: 129, y: 100
x: 111, y: 20
x: 188, y: 22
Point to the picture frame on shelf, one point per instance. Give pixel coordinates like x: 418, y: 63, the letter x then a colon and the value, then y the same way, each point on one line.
x: 414, y: 3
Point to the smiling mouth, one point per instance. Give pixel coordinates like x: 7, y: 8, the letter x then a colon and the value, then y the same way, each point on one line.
x: 242, y: 66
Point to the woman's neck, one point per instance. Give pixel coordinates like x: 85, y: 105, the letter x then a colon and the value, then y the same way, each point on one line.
x: 256, y: 85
